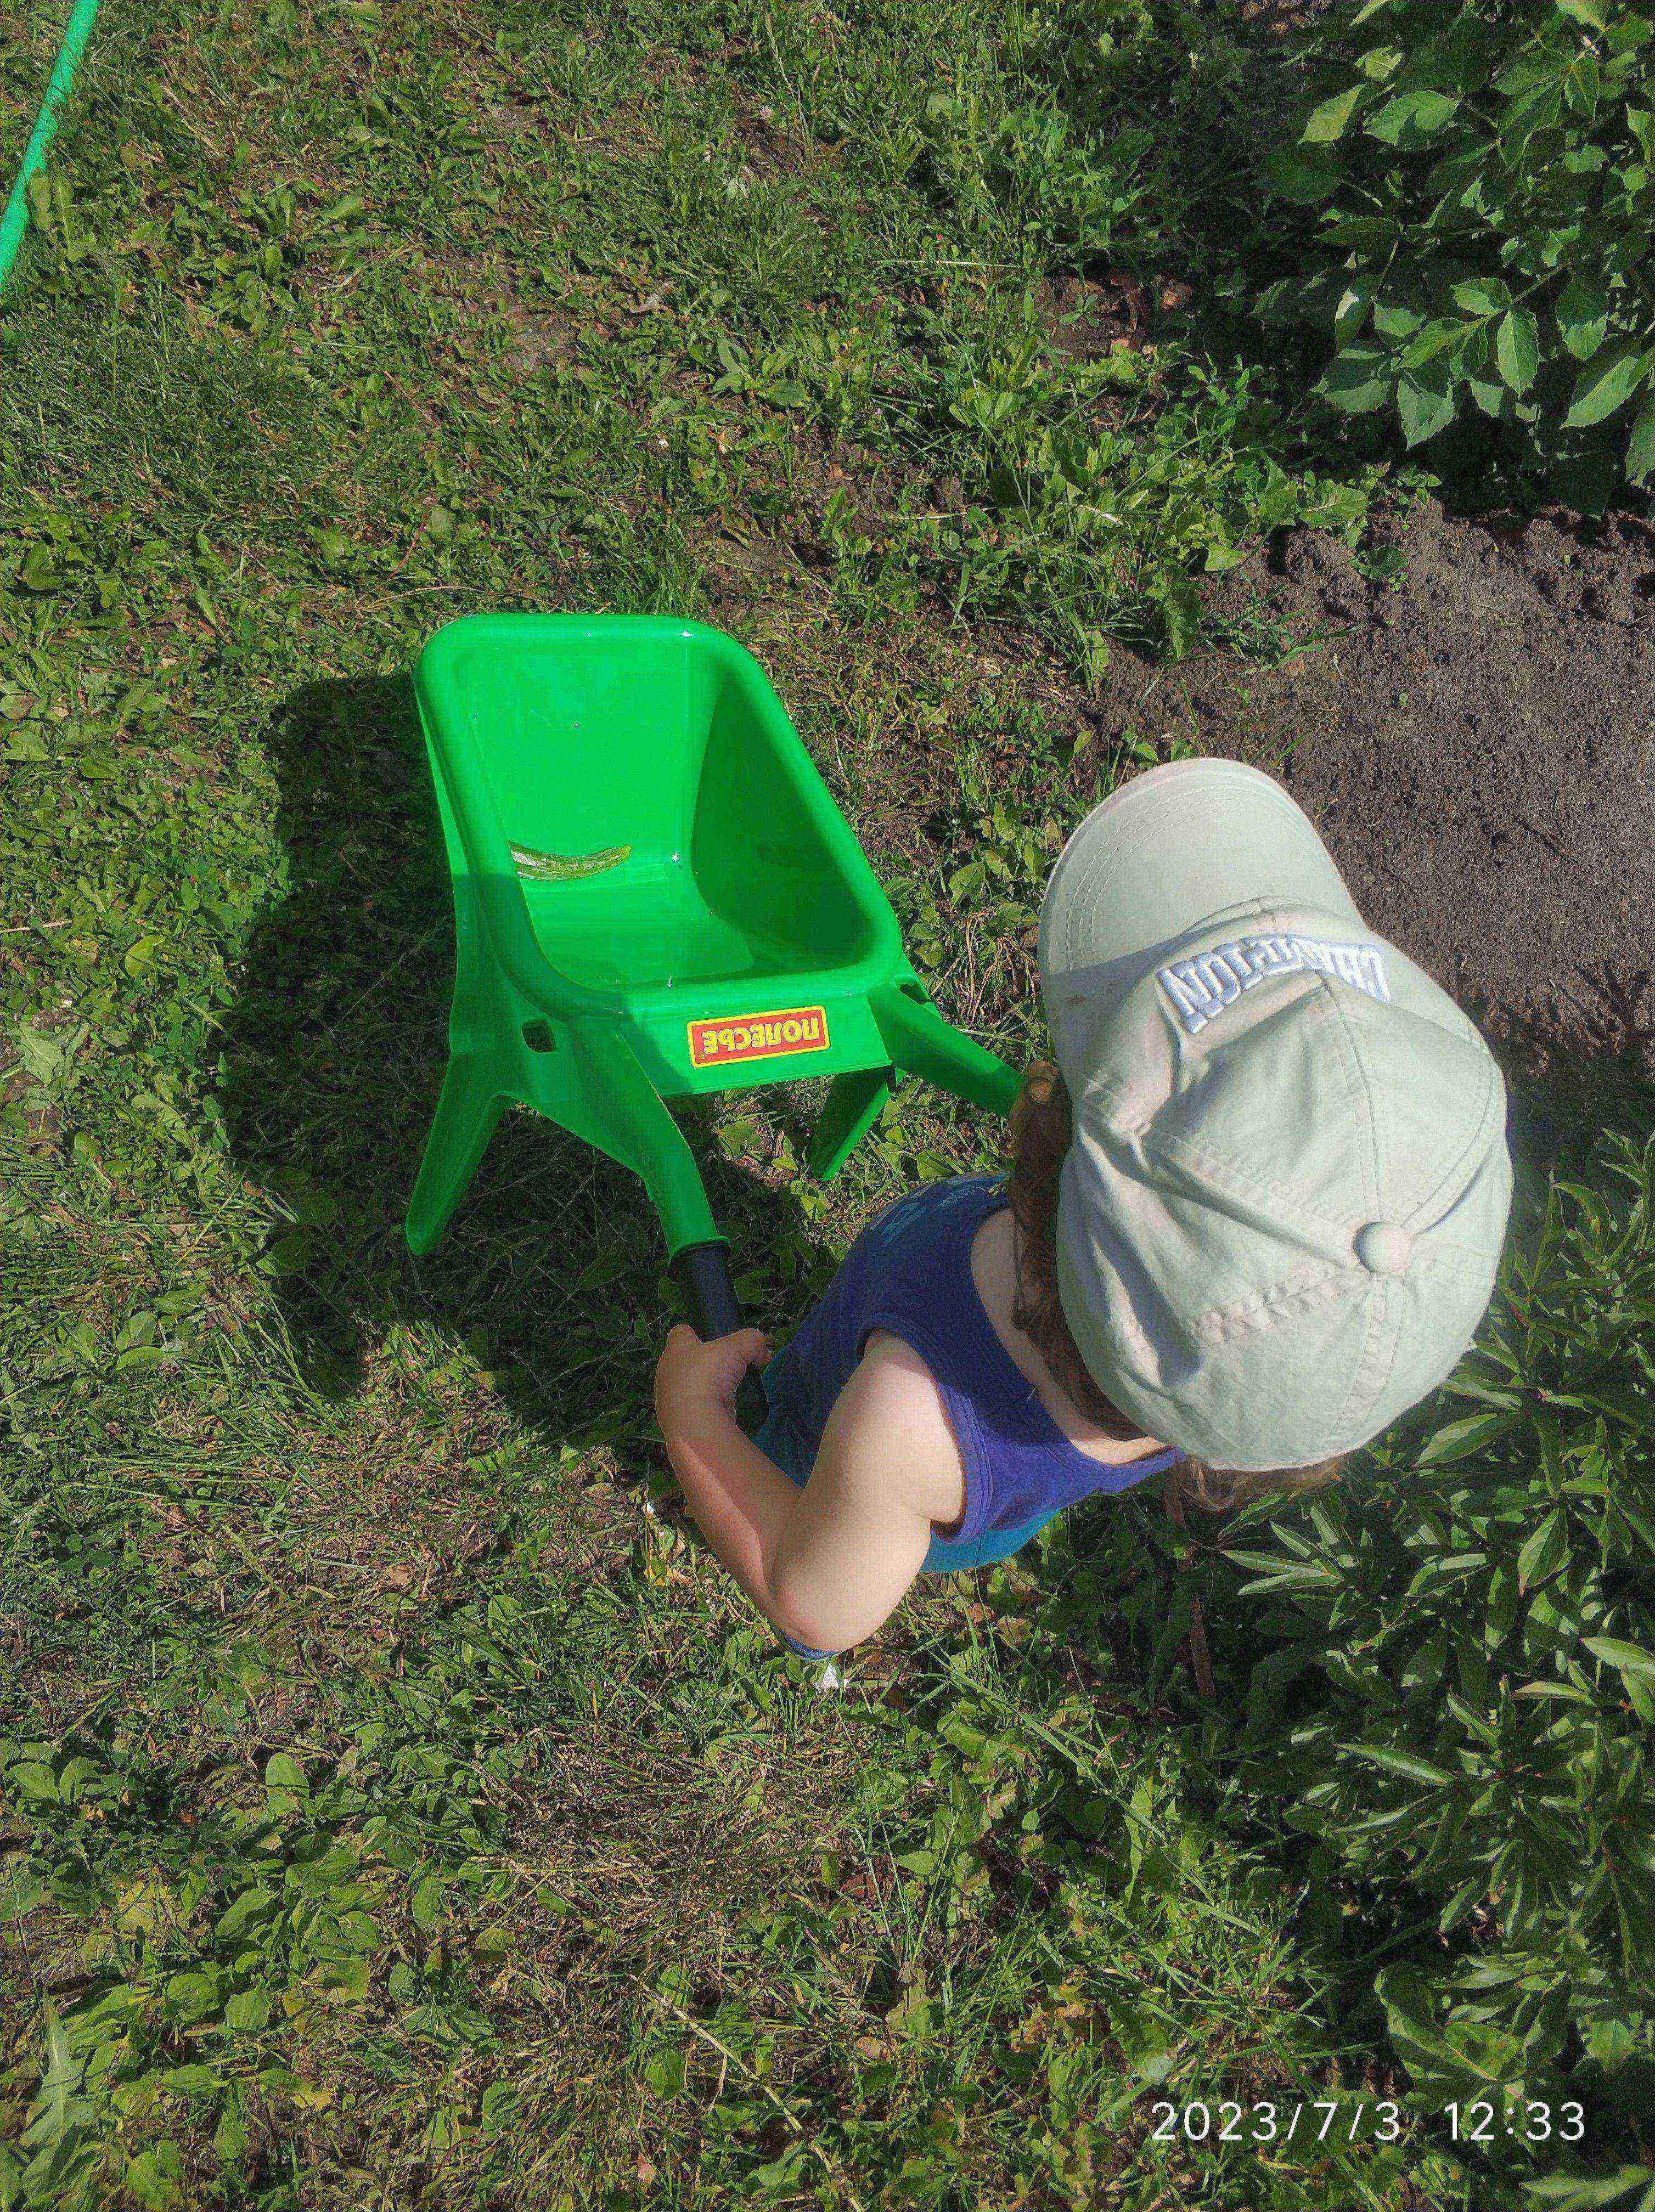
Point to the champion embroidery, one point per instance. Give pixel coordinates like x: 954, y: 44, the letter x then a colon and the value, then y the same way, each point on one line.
x: 1203, y: 987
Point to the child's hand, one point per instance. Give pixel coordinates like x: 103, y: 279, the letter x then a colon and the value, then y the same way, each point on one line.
x: 691, y: 1377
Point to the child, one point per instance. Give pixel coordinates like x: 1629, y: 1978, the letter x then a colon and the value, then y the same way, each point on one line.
x: 1257, y: 1215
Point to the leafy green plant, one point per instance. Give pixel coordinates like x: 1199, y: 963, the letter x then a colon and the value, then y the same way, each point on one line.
x: 1483, y: 177
x: 1480, y: 1626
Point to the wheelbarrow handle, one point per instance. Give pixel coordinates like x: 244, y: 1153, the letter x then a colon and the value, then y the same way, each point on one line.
x: 703, y: 1275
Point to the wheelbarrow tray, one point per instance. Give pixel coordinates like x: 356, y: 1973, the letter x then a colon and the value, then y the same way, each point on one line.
x: 655, y: 895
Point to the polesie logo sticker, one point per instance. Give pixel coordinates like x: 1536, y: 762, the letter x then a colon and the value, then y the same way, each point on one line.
x: 757, y: 1037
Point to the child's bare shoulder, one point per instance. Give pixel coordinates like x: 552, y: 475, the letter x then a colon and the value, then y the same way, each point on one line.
x: 897, y: 1430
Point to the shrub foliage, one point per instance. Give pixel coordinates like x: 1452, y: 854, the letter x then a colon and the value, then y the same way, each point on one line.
x: 1482, y: 179
x: 1480, y: 1623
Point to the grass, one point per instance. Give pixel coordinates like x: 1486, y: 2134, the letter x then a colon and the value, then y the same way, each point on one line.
x: 393, y: 1810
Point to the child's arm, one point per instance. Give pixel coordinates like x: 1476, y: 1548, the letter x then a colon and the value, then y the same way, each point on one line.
x: 826, y: 1564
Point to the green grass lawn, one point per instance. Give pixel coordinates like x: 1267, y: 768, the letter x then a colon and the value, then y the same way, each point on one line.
x: 393, y: 1811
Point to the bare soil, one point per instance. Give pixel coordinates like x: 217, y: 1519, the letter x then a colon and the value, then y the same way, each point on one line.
x: 1475, y: 743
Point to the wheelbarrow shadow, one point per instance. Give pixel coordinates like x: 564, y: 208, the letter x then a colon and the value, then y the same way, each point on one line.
x: 554, y: 1270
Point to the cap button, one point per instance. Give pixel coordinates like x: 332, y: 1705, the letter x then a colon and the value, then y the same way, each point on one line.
x: 1383, y: 1248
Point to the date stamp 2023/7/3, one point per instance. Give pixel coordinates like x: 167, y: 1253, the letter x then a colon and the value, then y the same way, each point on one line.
x: 1328, y: 2119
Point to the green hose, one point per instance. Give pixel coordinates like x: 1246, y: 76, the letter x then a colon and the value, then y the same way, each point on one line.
x: 14, y: 222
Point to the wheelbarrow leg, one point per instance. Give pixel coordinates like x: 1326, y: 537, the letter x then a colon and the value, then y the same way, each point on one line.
x: 852, y: 1107
x: 603, y: 1095
x: 921, y: 1042
x: 468, y: 1108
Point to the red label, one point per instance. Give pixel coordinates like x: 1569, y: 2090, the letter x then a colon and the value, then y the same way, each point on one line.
x: 757, y: 1037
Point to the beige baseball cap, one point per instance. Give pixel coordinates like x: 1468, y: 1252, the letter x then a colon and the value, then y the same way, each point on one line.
x: 1281, y: 1214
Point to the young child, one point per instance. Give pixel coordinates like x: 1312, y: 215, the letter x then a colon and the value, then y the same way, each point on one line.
x: 1254, y: 1215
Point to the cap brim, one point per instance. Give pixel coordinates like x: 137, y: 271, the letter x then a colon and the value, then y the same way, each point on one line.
x: 1172, y: 851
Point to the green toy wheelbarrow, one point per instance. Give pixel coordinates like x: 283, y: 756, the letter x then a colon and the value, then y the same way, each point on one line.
x: 655, y: 896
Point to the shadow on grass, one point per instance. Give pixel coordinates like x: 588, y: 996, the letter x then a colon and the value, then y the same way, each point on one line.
x: 553, y: 1269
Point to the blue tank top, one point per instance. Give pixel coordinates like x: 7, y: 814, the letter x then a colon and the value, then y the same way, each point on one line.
x: 910, y: 1274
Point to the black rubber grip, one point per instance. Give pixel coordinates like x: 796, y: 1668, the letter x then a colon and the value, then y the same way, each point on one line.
x: 703, y: 1275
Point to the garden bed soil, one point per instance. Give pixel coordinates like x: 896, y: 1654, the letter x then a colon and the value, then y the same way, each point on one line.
x: 1475, y: 743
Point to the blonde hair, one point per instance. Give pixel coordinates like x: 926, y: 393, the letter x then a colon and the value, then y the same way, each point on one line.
x: 1040, y: 1139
